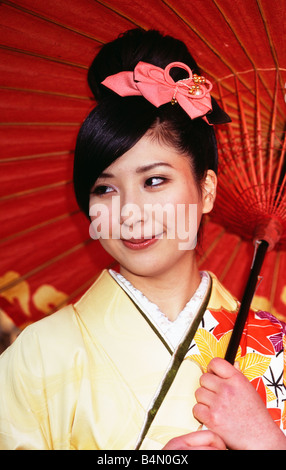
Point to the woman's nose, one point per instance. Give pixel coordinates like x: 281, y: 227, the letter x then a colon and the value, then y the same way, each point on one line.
x: 131, y: 214
x: 132, y: 209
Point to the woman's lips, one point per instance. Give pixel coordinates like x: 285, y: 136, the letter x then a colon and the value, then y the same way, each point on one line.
x: 139, y: 244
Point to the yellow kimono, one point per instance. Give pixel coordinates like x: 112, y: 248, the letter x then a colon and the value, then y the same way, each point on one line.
x: 98, y: 374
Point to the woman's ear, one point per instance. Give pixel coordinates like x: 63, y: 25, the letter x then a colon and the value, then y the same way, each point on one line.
x: 209, y: 191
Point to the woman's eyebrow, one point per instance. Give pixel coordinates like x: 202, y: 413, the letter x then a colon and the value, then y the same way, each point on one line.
x: 143, y: 169
x: 105, y: 175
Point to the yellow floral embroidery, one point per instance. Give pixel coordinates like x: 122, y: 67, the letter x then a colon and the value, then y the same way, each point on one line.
x: 270, y: 395
x: 209, y: 347
x: 252, y: 365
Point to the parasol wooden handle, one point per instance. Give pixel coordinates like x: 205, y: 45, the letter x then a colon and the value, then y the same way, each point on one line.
x: 262, y: 247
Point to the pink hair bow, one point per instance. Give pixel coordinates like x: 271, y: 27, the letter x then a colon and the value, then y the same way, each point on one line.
x: 158, y: 87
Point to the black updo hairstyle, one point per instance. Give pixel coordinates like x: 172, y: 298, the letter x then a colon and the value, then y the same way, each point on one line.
x: 117, y: 123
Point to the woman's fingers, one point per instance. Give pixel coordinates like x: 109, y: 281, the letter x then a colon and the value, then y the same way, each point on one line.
x: 199, y: 440
x: 221, y: 368
x: 204, y: 394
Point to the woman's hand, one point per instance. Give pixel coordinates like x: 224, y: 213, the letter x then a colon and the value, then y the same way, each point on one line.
x: 199, y: 440
x: 228, y: 405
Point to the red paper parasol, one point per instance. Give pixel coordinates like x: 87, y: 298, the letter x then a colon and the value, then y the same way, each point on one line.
x: 251, y: 198
x: 47, y: 258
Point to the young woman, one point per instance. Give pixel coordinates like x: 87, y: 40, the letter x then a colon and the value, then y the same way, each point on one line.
x: 137, y: 362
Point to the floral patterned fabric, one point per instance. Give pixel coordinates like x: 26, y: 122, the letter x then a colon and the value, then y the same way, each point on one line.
x: 86, y: 376
x: 261, y: 353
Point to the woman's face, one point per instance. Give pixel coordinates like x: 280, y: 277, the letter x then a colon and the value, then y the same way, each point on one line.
x: 146, y: 208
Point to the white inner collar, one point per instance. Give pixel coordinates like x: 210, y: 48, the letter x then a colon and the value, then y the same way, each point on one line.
x: 173, y: 331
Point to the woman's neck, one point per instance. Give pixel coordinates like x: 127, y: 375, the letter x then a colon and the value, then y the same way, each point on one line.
x: 169, y: 291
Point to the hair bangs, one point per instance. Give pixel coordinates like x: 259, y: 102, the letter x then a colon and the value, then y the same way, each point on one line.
x: 110, y: 130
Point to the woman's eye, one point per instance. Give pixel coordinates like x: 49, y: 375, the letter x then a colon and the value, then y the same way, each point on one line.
x: 101, y: 190
x: 154, y: 181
